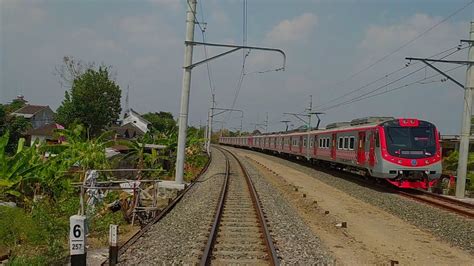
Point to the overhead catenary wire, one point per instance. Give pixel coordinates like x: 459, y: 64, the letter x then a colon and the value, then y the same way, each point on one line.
x: 362, y: 96
x: 455, y: 49
x: 406, y: 44
x: 245, y: 54
x: 396, y: 88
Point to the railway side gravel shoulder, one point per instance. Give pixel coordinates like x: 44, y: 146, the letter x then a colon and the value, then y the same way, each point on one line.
x: 180, y: 236
x: 295, y: 242
x: 452, y: 228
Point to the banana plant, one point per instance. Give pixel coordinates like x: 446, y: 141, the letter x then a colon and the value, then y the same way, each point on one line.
x: 18, y: 172
x: 81, y: 152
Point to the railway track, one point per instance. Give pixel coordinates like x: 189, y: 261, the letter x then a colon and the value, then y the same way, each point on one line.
x: 453, y: 205
x: 127, y: 244
x: 239, y: 234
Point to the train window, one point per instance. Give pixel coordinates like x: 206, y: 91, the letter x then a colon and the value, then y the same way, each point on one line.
x: 377, y: 141
x: 340, y: 144
x: 304, y: 142
x: 346, y: 143
x: 320, y: 143
x: 351, y: 143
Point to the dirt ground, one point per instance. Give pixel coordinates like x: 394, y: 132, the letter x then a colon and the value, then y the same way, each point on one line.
x: 372, y: 236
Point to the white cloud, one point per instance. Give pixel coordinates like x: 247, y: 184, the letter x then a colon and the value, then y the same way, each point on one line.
x: 148, y: 31
x: 31, y: 15
x: 382, y: 39
x: 172, y: 4
x: 95, y: 41
x: 296, y: 29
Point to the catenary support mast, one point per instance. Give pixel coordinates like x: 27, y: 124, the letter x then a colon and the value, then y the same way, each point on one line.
x: 183, y: 113
x: 466, y: 122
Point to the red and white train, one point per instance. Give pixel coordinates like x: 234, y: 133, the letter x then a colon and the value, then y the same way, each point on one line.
x: 405, y: 152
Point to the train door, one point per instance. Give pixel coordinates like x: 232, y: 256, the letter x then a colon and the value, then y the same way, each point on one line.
x: 372, y: 149
x: 361, y: 148
x: 333, y: 146
x: 315, y: 145
x: 301, y: 144
x: 290, y: 143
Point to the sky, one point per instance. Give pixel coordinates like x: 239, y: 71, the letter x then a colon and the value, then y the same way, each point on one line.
x: 329, y: 47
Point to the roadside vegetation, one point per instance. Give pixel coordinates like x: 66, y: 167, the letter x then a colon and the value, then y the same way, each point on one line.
x: 450, y: 166
x: 38, y: 182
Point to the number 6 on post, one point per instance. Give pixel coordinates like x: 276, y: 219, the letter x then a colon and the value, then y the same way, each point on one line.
x: 77, y: 239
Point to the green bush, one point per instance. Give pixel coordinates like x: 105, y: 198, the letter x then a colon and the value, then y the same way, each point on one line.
x: 17, y: 228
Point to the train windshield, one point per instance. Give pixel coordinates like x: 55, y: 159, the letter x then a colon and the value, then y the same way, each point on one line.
x: 411, y: 142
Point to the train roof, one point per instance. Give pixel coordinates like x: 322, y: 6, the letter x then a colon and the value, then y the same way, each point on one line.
x: 338, y: 126
x: 355, y: 124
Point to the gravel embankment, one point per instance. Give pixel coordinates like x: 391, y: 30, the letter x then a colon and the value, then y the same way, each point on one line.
x: 454, y: 229
x: 295, y: 242
x: 181, y: 235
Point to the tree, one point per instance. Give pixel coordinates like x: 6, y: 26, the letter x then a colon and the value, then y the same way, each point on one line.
x: 15, y: 125
x: 15, y: 105
x: 94, y: 101
x: 161, y: 121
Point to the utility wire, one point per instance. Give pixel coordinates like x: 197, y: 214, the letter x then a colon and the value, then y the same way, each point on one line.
x: 244, y: 57
x: 455, y: 48
x: 397, y: 88
x: 406, y: 43
x: 383, y: 86
x: 208, y: 67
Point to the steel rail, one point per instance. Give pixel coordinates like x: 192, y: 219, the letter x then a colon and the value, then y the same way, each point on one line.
x: 452, y: 205
x: 162, y: 214
x: 456, y: 206
x: 266, y: 233
x: 206, y: 259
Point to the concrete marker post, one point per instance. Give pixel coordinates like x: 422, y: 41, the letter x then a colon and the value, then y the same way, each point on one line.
x: 113, y: 247
x: 77, y: 240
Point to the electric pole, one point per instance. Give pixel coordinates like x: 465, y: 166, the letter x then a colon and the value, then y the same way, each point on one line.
x: 466, y: 122
x: 310, y: 109
x: 286, y: 124
x: 185, y: 90
x: 266, y: 123
x: 209, y: 125
x: 466, y: 116
x: 183, y: 113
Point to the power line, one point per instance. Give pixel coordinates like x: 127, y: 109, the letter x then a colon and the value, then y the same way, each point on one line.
x: 393, y: 89
x: 383, y: 86
x: 455, y: 48
x: 406, y: 43
x: 203, y: 34
x: 244, y: 56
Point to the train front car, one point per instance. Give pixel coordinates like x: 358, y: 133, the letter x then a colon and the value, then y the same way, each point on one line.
x: 409, y: 153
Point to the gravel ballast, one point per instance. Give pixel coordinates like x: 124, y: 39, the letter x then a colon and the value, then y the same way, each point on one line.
x: 295, y: 242
x: 181, y: 235
x: 454, y: 229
